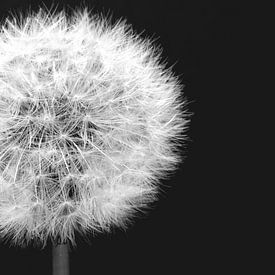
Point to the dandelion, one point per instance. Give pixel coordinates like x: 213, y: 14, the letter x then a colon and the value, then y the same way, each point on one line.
x: 90, y: 121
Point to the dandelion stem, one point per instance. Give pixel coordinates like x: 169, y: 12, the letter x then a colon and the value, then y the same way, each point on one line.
x: 60, y: 254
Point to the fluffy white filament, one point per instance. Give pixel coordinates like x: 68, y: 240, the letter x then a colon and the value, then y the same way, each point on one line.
x: 90, y: 120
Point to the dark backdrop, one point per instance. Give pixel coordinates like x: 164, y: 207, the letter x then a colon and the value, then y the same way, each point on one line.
x: 187, y: 229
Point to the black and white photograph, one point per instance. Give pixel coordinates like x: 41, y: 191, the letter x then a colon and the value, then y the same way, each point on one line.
x: 110, y: 145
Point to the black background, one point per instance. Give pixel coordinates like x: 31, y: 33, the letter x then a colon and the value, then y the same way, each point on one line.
x: 189, y: 228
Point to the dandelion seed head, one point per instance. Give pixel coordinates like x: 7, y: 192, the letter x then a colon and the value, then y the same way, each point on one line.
x: 90, y: 121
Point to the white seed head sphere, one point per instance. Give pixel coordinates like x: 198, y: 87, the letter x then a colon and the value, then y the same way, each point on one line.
x: 90, y: 120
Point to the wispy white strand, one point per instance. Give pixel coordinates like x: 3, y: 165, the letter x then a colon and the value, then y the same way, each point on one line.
x: 90, y: 121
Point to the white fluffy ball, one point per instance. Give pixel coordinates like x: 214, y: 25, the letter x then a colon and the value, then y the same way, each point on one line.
x: 90, y: 121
